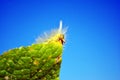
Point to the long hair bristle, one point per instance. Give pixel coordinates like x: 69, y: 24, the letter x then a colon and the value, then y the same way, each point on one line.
x: 60, y: 27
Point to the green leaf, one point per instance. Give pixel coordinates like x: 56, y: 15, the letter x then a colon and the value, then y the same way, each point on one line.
x: 38, y: 61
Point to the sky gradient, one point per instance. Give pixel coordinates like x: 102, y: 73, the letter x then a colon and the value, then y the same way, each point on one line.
x: 92, y: 49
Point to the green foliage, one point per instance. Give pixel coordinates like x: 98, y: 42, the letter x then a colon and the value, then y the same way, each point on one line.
x: 38, y: 61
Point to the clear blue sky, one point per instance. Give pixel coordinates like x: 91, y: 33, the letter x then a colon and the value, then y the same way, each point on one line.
x: 92, y: 50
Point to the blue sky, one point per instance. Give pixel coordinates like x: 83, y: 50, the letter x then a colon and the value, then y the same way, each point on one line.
x: 92, y: 49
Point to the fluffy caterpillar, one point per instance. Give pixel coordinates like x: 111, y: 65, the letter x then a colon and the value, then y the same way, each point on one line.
x: 56, y: 35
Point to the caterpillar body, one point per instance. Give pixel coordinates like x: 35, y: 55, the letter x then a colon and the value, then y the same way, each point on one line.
x: 56, y: 35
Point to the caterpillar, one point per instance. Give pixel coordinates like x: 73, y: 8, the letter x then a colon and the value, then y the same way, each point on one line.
x: 57, y: 35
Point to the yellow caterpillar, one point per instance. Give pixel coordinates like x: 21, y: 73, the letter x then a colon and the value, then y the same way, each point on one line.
x: 57, y: 35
